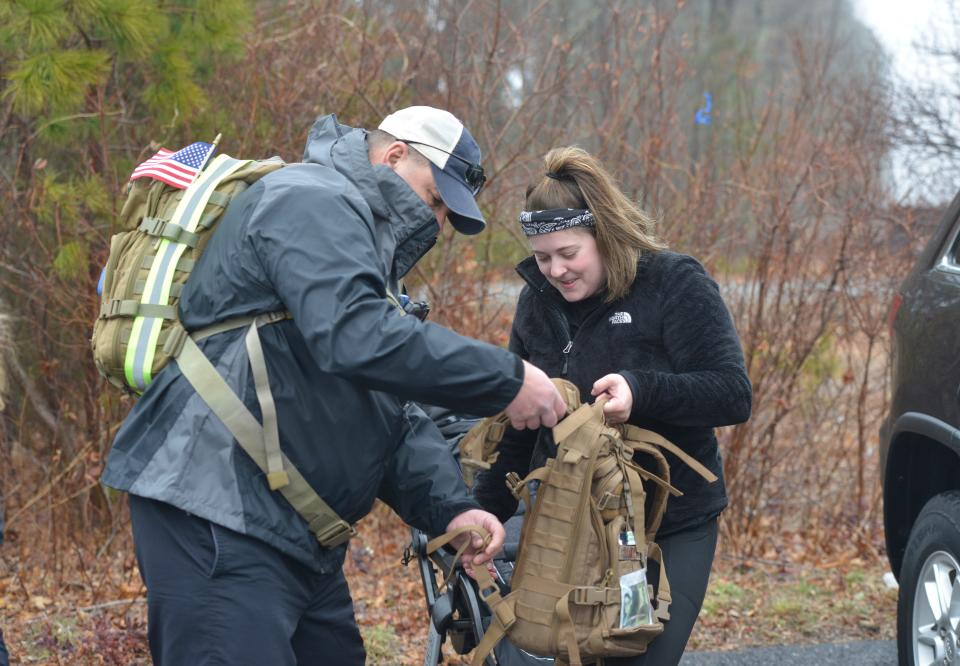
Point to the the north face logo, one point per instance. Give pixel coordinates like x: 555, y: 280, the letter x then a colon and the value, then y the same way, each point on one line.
x: 621, y: 318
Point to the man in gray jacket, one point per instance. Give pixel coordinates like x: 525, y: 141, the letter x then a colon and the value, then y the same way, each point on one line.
x: 234, y: 574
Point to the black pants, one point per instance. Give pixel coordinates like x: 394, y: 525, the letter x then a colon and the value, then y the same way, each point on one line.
x: 4, y: 657
x: 688, y: 556
x: 218, y: 597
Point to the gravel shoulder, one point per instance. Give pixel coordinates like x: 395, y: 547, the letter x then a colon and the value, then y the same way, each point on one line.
x: 859, y: 653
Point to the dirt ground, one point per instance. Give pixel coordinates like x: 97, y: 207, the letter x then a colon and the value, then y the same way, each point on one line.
x: 91, y: 610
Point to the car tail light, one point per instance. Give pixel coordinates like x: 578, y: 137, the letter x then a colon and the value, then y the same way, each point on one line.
x: 894, y: 309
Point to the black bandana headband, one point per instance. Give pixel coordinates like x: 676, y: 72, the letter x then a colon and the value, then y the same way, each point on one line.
x: 536, y: 222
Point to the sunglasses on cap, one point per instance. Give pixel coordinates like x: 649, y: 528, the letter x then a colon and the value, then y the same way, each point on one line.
x: 473, y: 176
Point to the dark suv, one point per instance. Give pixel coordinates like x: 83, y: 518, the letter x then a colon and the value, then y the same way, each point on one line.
x: 920, y: 452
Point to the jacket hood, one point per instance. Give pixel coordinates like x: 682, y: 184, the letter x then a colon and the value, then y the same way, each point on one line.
x: 412, y: 228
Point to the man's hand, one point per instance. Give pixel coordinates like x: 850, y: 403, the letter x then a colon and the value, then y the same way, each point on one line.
x: 475, y: 552
x: 620, y: 397
x: 538, y: 403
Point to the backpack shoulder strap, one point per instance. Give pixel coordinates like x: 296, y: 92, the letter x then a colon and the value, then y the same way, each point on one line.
x: 501, y: 607
x: 634, y: 434
x: 260, y: 442
x: 478, y: 448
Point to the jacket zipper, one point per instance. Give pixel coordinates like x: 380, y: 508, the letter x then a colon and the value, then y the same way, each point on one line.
x: 561, y: 329
x: 560, y: 324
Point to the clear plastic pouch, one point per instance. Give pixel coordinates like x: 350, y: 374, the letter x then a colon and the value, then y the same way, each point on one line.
x: 635, y: 608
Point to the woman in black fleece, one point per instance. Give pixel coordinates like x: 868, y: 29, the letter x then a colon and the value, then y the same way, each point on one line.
x: 609, y: 308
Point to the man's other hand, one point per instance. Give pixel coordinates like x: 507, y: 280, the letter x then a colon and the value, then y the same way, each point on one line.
x: 475, y: 552
x: 538, y: 403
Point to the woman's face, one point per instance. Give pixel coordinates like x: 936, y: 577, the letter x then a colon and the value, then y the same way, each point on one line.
x: 571, y: 261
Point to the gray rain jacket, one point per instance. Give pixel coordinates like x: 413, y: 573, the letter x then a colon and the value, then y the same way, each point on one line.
x: 323, y: 239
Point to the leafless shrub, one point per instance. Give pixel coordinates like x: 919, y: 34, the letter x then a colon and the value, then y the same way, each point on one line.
x: 781, y: 196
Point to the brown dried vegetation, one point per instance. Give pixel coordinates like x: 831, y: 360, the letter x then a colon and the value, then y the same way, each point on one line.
x: 782, y: 196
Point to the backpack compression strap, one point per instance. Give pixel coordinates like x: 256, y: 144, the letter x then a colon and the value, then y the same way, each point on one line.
x: 632, y: 433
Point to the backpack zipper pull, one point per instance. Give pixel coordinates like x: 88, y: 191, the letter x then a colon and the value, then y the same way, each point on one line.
x: 566, y: 357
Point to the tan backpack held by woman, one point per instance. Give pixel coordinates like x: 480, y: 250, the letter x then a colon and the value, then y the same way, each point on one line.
x: 578, y: 591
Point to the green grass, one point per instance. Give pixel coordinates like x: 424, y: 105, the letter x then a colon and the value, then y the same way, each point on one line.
x: 722, y: 595
x: 381, y: 642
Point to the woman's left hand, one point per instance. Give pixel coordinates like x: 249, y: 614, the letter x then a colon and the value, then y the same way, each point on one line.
x: 620, y: 397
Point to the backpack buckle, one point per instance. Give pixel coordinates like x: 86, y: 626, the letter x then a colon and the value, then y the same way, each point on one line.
x: 110, y: 309
x: 116, y: 307
x: 334, y: 533
x: 153, y: 226
x: 176, y: 336
x: 514, y: 484
x: 608, y: 501
x: 588, y: 596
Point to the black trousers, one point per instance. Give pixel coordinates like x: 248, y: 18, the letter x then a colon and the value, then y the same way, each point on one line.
x: 688, y: 556
x: 218, y: 597
x: 4, y: 657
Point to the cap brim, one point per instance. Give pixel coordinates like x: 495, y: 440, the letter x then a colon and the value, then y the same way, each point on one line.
x: 464, y: 213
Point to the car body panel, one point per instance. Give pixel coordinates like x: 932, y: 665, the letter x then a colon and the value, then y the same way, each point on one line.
x: 920, y: 438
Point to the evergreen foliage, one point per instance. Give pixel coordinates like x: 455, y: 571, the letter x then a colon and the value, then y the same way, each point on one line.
x: 88, y: 88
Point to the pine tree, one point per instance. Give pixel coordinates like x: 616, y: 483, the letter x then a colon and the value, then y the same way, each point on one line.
x: 87, y: 89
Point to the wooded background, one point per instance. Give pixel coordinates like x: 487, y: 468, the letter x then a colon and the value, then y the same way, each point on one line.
x: 784, y: 194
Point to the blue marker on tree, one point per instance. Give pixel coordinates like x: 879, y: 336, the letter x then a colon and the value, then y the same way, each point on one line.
x: 703, y: 114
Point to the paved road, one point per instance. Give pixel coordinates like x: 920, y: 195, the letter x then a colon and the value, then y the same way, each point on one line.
x: 863, y: 653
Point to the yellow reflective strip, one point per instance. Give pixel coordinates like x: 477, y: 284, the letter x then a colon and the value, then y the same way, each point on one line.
x: 194, y: 220
x: 156, y: 324
x: 153, y: 275
x: 218, y: 170
x: 143, y: 342
x: 153, y: 332
x: 132, y: 351
x: 178, y: 214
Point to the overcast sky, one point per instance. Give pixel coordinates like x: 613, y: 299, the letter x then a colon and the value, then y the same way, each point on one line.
x: 900, y: 25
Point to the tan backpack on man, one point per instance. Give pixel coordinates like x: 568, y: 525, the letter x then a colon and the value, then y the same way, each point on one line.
x: 138, y: 331
x: 164, y: 230
x: 585, y: 531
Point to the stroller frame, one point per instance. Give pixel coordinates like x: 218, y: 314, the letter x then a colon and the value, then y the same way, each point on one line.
x: 456, y: 612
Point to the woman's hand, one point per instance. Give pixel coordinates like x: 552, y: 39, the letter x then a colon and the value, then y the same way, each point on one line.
x: 620, y: 397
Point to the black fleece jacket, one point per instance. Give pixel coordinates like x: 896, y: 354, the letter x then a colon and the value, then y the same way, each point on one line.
x: 673, y: 340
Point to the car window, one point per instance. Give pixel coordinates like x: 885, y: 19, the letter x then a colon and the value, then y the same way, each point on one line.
x: 950, y: 261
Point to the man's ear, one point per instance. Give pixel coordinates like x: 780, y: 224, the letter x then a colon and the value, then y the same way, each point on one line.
x: 393, y: 153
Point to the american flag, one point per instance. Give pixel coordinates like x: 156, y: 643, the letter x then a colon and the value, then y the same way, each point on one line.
x: 175, y: 168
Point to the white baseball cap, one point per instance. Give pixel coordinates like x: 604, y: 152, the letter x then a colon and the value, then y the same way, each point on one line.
x: 454, y: 157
